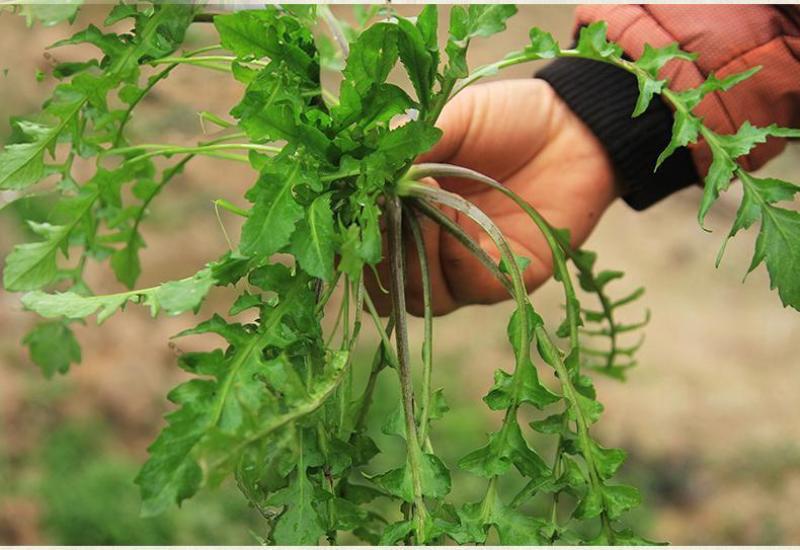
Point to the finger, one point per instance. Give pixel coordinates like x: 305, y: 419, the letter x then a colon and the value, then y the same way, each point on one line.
x: 471, y: 282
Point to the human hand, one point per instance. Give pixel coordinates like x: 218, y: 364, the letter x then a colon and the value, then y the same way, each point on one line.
x: 523, y: 135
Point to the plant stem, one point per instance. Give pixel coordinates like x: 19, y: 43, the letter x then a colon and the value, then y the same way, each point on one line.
x: 522, y: 355
x: 151, y: 82
x: 378, y: 363
x: 232, y: 208
x: 336, y: 29
x: 469, y: 243
x: 384, y: 334
x: 419, y: 190
x: 556, y: 250
x: 397, y: 290
x: 427, y: 345
x: 205, y: 60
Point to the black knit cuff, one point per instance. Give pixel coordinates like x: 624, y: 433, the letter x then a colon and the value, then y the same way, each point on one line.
x: 604, y: 97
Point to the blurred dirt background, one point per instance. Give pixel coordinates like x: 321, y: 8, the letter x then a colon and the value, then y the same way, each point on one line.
x: 710, y: 418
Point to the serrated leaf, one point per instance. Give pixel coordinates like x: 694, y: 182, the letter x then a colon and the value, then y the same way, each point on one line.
x: 53, y: 347
x: 618, y: 499
x: 653, y: 59
x: 266, y: 33
x: 477, y: 20
x: 33, y: 265
x: 313, y: 240
x: 434, y: 478
x: 592, y: 42
x: 22, y: 164
x: 778, y: 245
x: 685, y: 130
x: 590, y: 506
x: 395, y: 532
x: 553, y: 424
x: 405, y: 143
x: 300, y: 523
x: 515, y: 528
x: 506, y: 447
x: 542, y: 44
x: 274, y: 215
x: 173, y: 298
x: 531, y: 390
x: 417, y: 59
x: 607, y: 461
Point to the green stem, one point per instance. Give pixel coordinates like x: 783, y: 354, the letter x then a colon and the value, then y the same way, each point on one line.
x: 165, y: 179
x: 559, y: 262
x: 202, y: 60
x: 378, y: 363
x: 427, y: 345
x: 152, y: 81
x: 158, y: 149
x: 336, y: 29
x: 397, y: 291
x: 418, y: 190
x: 232, y: 208
x: 383, y: 334
x: 326, y: 296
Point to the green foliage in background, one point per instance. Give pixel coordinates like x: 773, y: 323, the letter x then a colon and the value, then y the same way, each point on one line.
x: 280, y: 408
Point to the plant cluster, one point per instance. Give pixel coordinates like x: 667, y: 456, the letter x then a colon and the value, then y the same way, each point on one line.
x: 278, y: 408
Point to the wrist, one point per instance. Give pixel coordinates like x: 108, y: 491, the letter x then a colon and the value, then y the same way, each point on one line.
x: 603, y: 97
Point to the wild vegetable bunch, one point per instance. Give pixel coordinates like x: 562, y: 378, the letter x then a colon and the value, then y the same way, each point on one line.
x: 278, y: 408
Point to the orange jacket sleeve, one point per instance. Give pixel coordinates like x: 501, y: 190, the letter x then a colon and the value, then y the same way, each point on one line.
x: 728, y: 39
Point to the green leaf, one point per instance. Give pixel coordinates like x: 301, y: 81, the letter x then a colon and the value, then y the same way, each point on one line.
x: 553, y: 424
x: 275, y: 213
x: 591, y: 505
x: 313, y: 241
x: 49, y: 14
x: 590, y: 408
x: 372, y: 57
x: 490, y: 460
x: 396, y: 532
x: 521, y: 261
x: 22, y: 164
x: 685, y: 130
x: 417, y: 58
x: 618, y: 499
x: 173, y: 298
x: 33, y: 265
x: 614, y: 499
x: 592, y: 42
x: 778, y: 245
x: 53, y: 347
x: 434, y: 477
x: 171, y: 474
x: 648, y: 87
x: 266, y: 33
x: 501, y: 396
x: 506, y: 447
x: 478, y: 20
x: 125, y: 261
x: 300, y: 523
x: 542, y: 44
x: 405, y: 143
x: 653, y: 59
x: 515, y: 528
x: 718, y: 179
x: 607, y: 461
